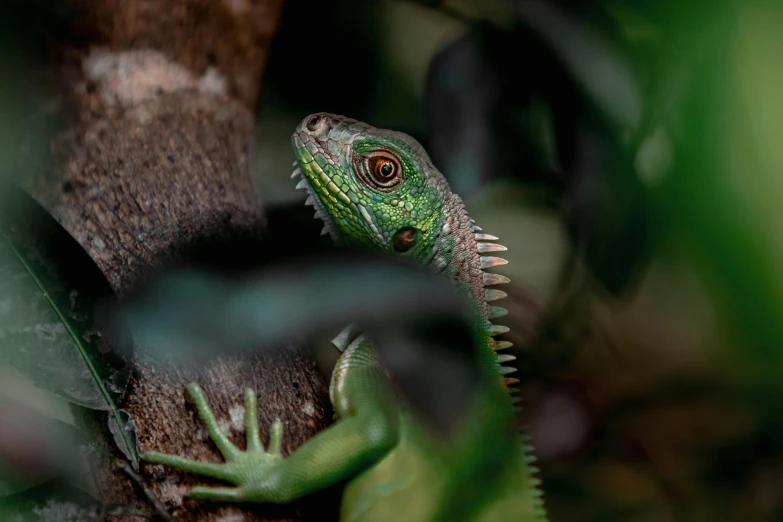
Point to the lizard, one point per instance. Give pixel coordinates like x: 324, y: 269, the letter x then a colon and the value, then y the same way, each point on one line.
x: 378, y: 189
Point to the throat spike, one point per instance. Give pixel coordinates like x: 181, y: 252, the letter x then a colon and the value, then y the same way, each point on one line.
x: 302, y: 184
x: 504, y: 358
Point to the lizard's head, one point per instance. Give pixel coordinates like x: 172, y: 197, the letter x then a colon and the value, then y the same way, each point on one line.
x: 372, y: 187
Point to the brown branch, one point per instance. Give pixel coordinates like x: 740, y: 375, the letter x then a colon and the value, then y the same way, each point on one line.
x: 155, y: 157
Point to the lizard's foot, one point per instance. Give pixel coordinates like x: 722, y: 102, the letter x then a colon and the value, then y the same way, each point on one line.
x: 249, y: 470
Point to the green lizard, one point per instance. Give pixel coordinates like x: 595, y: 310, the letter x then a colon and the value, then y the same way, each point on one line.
x: 378, y: 189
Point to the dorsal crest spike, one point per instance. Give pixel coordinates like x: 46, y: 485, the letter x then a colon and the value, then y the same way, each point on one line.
x: 486, y: 237
x: 489, y: 247
x: 495, y: 279
x: 493, y: 295
x: 496, y: 311
x: 502, y: 345
x: 497, y: 329
x: 489, y: 262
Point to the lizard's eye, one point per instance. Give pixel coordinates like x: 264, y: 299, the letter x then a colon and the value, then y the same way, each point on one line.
x: 381, y: 170
x: 384, y: 169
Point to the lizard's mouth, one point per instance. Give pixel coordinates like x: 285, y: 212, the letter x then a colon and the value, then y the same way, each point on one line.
x: 305, y: 169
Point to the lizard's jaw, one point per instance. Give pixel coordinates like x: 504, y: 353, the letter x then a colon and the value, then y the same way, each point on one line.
x: 313, y: 201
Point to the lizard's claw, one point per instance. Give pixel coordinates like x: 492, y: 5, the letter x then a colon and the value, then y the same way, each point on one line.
x: 246, y: 469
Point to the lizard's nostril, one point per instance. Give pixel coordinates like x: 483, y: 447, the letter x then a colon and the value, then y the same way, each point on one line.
x: 315, y: 123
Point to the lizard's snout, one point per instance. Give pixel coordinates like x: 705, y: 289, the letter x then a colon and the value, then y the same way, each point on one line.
x: 317, y: 125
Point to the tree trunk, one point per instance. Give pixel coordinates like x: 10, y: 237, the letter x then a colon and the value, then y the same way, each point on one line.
x: 155, y: 159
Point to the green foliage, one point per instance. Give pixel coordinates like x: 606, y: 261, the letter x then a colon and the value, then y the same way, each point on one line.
x: 50, y: 295
x: 56, y: 503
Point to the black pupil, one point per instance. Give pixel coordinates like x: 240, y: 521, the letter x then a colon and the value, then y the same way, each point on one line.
x: 386, y: 169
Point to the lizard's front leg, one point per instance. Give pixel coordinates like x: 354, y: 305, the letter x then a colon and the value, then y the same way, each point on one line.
x: 250, y: 470
x: 366, y: 430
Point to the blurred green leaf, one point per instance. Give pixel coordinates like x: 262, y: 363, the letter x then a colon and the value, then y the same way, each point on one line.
x: 724, y: 194
x: 58, y: 503
x: 50, y: 292
x: 416, y: 320
x: 11, y: 483
x: 35, y: 449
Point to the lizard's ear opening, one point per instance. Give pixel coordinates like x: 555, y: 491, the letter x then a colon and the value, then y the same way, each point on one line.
x: 404, y: 239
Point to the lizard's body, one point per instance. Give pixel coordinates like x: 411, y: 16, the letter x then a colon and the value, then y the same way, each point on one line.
x: 379, y: 189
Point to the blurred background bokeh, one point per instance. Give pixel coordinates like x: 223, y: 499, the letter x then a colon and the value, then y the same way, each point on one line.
x: 628, y: 153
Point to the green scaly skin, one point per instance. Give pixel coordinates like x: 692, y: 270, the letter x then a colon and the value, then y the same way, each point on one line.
x: 378, y: 189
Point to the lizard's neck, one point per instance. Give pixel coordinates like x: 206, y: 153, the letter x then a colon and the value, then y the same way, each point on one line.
x: 461, y: 252
x: 455, y: 252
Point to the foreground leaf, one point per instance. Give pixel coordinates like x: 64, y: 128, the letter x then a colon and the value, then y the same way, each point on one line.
x: 416, y: 320
x: 50, y: 291
x: 35, y: 449
x: 58, y: 503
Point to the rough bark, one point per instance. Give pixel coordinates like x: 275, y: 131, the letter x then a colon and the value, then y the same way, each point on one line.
x: 161, y: 97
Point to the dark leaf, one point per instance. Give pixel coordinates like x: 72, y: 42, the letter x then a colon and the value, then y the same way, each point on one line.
x: 602, y: 72
x: 50, y: 293
x: 528, y: 104
x: 605, y: 209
